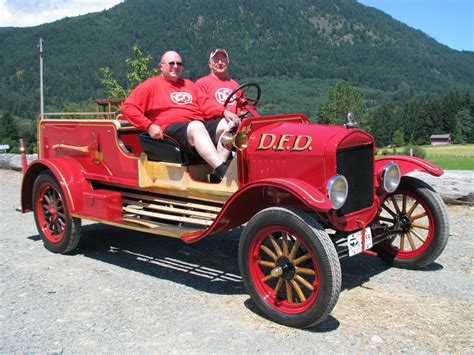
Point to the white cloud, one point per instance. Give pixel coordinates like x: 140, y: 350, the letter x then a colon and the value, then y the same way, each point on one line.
x: 24, y: 13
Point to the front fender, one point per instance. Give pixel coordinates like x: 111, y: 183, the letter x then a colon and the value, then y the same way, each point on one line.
x: 408, y: 164
x: 68, y: 173
x: 258, y: 195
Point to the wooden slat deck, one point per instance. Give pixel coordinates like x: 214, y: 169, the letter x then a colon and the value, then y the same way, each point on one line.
x: 147, y: 210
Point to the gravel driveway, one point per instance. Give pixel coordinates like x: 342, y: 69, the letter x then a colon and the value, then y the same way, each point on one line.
x: 124, y: 291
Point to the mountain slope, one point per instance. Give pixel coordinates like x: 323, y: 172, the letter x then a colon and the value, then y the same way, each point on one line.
x: 320, y: 39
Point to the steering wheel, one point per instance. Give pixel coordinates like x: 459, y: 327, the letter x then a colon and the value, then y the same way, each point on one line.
x: 242, y: 101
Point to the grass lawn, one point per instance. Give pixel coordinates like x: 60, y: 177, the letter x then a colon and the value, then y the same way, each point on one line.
x: 451, y: 150
x: 453, y: 163
x: 448, y: 157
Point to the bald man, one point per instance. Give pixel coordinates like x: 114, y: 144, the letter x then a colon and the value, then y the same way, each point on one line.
x: 168, y: 104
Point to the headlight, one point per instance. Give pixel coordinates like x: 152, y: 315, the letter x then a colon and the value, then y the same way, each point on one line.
x: 337, y: 190
x: 391, y: 177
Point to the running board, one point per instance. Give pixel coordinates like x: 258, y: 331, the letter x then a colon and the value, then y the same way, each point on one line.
x: 152, y: 211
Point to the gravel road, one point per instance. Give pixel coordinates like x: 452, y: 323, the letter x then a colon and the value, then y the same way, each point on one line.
x: 124, y: 291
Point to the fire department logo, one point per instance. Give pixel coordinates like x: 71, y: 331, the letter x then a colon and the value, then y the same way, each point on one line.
x: 222, y: 94
x: 181, y: 98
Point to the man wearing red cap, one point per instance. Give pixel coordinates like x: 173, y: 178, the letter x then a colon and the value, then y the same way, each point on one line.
x: 217, y: 84
x: 170, y: 105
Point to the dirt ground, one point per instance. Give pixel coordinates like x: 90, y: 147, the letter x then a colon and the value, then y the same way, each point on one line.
x: 124, y: 291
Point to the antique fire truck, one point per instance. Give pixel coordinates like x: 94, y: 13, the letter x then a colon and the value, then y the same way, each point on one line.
x: 307, y: 195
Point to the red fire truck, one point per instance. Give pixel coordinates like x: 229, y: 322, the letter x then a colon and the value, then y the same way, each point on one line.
x: 307, y: 195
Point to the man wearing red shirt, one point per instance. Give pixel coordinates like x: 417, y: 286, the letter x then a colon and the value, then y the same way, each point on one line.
x: 168, y: 104
x: 217, y: 84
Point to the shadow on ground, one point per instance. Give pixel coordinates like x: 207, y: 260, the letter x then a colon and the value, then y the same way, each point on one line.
x: 210, y: 265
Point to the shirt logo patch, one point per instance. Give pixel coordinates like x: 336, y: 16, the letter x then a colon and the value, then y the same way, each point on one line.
x: 181, y: 98
x: 222, y: 94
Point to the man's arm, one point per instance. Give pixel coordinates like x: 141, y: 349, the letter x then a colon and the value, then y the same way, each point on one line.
x: 212, y: 109
x: 135, y: 106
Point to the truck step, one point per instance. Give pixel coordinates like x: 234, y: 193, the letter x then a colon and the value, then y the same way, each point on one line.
x: 168, y: 230
x: 152, y: 209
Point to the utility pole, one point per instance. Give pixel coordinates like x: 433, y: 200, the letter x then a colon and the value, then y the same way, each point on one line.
x: 40, y: 46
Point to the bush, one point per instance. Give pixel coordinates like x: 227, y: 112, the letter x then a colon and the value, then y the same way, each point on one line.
x: 417, y: 151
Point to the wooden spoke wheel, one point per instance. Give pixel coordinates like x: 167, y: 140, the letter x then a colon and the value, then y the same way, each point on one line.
x: 290, y: 267
x: 418, y: 211
x: 60, y: 232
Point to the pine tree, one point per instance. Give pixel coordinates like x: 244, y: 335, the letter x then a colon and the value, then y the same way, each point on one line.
x: 463, y: 126
x: 8, y: 128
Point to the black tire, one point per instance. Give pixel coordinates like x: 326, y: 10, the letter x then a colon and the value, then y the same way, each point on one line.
x: 424, y: 218
x: 304, y: 256
x: 58, y: 230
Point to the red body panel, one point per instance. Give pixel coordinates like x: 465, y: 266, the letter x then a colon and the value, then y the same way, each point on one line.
x: 262, y: 194
x: 102, y: 157
x: 68, y: 172
x: 408, y: 164
x: 103, y: 204
x: 306, y: 155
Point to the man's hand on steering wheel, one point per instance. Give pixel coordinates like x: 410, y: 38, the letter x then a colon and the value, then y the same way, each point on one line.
x: 242, y: 100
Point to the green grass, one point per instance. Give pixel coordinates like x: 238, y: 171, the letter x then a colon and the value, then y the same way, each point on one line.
x: 451, y: 150
x: 453, y: 163
x: 448, y: 157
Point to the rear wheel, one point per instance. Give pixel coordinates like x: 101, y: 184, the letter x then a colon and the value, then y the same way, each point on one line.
x: 290, y: 267
x: 420, y: 213
x: 58, y: 230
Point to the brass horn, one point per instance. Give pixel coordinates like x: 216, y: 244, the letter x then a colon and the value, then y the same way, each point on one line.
x: 238, y: 140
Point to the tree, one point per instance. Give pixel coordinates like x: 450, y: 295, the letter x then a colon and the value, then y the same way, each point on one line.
x: 139, y: 71
x: 398, y: 138
x: 463, y: 126
x: 8, y: 128
x: 343, y: 98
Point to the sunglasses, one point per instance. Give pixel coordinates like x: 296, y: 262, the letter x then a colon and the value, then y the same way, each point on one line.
x: 172, y: 64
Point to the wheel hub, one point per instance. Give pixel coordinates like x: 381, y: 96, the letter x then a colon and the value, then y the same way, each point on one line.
x: 54, y: 212
x: 284, y: 268
x: 405, y: 223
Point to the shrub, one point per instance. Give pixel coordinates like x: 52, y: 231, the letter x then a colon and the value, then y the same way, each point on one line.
x: 417, y: 151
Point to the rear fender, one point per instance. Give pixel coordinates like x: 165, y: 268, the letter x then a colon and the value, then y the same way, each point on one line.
x: 408, y: 164
x: 69, y: 174
x: 256, y: 196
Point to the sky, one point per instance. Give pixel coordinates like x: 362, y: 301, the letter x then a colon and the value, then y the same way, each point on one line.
x: 24, y: 13
x: 450, y: 22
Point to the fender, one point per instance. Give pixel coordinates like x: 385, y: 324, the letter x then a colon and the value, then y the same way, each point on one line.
x: 259, y: 195
x: 69, y: 174
x: 408, y: 164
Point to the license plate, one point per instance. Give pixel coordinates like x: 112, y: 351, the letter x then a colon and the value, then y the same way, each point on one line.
x: 354, y: 241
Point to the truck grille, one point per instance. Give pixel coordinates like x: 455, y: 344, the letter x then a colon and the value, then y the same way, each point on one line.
x: 357, y: 165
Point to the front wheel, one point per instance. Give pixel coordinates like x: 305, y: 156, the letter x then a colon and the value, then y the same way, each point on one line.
x: 419, y: 212
x: 290, y: 267
x: 59, y: 231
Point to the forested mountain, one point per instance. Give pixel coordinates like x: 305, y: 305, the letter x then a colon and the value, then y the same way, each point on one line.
x: 294, y: 39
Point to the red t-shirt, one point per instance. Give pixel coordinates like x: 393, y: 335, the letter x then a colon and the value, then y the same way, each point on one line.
x: 218, y: 89
x: 163, y: 102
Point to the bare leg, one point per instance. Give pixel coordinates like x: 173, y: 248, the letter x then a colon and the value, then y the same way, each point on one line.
x: 199, y: 139
x: 221, y: 150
